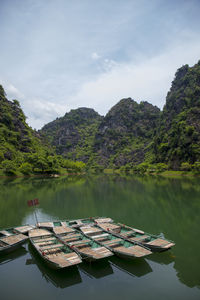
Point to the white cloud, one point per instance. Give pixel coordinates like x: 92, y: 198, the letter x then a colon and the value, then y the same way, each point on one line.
x: 95, y: 56
x: 42, y: 111
x: 11, y: 90
x: 149, y: 80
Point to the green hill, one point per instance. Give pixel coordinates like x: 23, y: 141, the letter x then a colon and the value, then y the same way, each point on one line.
x: 21, y: 149
x: 178, y: 137
x: 132, y: 136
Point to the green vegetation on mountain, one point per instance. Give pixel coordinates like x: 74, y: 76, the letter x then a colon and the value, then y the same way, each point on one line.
x: 177, y: 141
x: 132, y: 137
x: 73, y: 135
x: 21, y: 149
x: 125, y: 134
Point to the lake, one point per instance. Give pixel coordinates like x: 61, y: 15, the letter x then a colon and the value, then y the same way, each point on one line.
x: 166, y: 206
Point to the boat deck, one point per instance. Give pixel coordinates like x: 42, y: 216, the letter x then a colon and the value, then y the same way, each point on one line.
x: 64, y: 260
x: 39, y: 233
x: 63, y: 229
x: 45, y: 225
x: 138, y: 238
x: 24, y: 229
x: 91, y: 230
x: 13, y: 239
x: 160, y: 243
x: 109, y: 226
x: 103, y: 220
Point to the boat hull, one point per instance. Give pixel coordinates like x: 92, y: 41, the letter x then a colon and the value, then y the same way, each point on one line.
x: 49, y: 263
x: 125, y: 255
x: 11, y: 248
x: 154, y: 248
x: 90, y: 258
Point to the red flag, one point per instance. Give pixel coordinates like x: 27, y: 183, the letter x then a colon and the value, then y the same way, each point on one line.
x: 30, y: 203
x: 36, y: 201
x: 33, y: 202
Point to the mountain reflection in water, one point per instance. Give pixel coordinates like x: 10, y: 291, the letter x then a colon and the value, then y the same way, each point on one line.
x: 153, y: 204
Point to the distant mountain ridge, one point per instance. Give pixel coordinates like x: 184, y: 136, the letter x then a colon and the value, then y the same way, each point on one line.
x: 133, y: 133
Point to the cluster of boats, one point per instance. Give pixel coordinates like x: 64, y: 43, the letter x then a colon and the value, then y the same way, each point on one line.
x: 66, y: 243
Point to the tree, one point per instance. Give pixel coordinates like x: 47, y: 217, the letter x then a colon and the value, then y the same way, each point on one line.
x: 9, y: 167
x: 25, y: 168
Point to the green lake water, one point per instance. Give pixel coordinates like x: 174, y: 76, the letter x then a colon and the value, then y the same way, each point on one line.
x: 154, y: 204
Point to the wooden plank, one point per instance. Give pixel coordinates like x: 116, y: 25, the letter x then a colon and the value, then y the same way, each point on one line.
x: 45, y: 239
x: 63, y: 229
x: 103, y: 220
x: 6, y: 233
x: 55, y: 246
x: 45, y: 224
x: 80, y: 242
x: 13, y: 239
x: 100, y: 236
x: 24, y: 229
x: 38, y: 233
x: 139, y: 238
x: 113, y: 241
x: 134, y: 250
x: 88, y: 230
x: 159, y: 242
x: 109, y: 226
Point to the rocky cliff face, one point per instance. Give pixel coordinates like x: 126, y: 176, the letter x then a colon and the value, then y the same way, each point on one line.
x: 178, y: 137
x: 15, y: 135
x: 133, y: 133
x: 73, y: 134
x: 125, y: 133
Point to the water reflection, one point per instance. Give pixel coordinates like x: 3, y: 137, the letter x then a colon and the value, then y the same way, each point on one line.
x: 59, y: 278
x: 98, y: 269
x: 137, y: 267
x: 12, y: 256
x: 154, y: 204
x: 163, y: 258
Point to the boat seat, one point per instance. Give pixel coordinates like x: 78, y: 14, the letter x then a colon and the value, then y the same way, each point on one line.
x: 5, y: 233
x: 140, y: 238
x: 80, y: 242
x: 112, y: 242
x: 100, y: 235
x: 51, y: 247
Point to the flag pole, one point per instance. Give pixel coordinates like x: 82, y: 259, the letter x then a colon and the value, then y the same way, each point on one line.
x: 36, y: 217
x: 34, y: 202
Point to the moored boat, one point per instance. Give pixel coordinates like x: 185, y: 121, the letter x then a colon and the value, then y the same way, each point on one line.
x: 11, y: 240
x: 24, y: 229
x: 88, y: 221
x: 49, y: 247
x: 89, y: 249
x: 153, y: 242
x: 118, y: 246
x: 74, y: 223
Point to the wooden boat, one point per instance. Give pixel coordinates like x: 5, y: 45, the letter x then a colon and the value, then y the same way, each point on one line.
x: 118, y: 246
x: 74, y: 223
x: 61, y: 279
x: 11, y: 240
x: 24, y: 229
x: 50, y: 248
x: 153, y: 242
x: 81, y: 244
x: 87, y: 221
x: 45, y: 225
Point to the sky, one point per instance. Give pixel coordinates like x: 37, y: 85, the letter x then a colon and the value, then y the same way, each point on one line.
x: 58, y: 55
